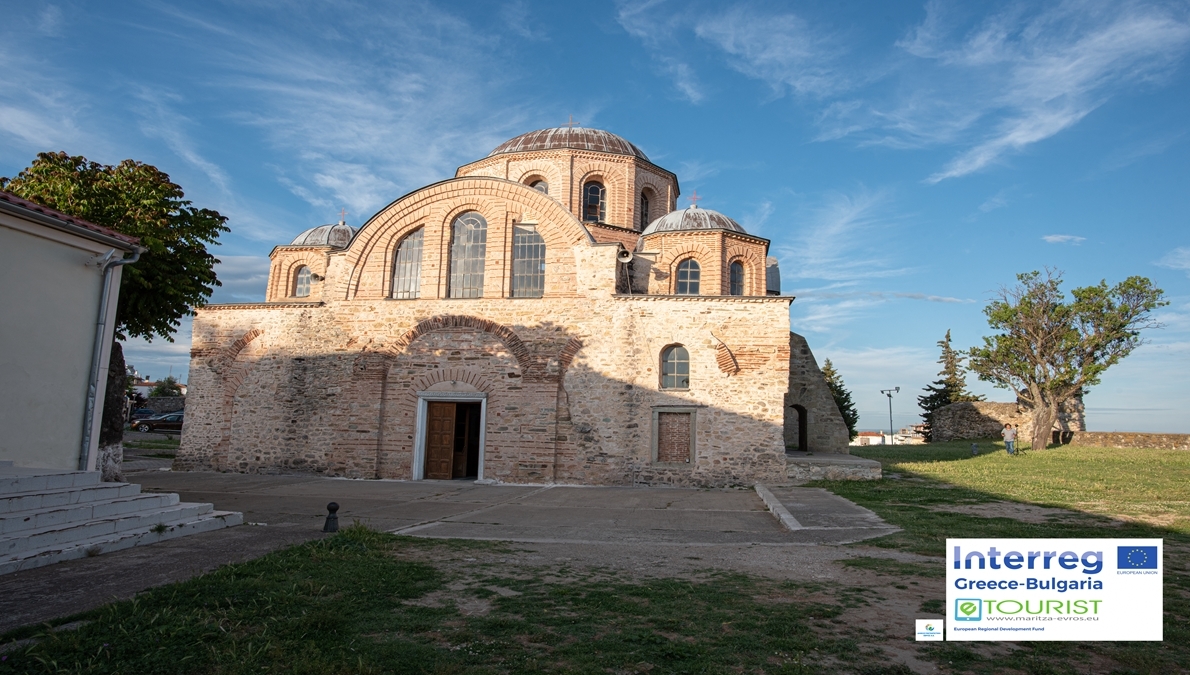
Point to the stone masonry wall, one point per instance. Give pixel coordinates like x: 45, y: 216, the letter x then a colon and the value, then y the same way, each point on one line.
x: 826, y: 430
x: 985, y: 419
x: 1117, y: 439
x: 571, y: 385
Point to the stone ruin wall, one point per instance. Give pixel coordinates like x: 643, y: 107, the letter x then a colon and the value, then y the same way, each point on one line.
x: 826, y: 430
x: 985, y: 419
x: 330, y: 389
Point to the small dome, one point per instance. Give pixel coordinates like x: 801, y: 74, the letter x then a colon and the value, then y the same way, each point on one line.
x: 338, y: 235
x: 575, y: 138
x: 692, y: 218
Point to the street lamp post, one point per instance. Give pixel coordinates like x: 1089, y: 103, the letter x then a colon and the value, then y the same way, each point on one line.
x: 889, y: 393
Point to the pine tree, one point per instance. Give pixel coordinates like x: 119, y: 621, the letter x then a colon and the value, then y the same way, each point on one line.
x: 951, y: 388
x: 842, y: 397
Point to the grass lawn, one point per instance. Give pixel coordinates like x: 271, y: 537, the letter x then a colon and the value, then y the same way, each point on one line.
x: 940, y: 490
x: 366, y: 602
x: 169, y: 443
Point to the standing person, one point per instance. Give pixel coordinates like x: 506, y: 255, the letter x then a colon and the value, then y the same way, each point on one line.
x: 1009, y: 435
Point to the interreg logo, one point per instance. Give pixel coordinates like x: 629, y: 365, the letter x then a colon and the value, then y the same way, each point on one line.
x: 1136, y: 557
x: 968, y: 609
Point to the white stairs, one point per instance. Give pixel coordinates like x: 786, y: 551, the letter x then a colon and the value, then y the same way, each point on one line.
x: 50, y: 516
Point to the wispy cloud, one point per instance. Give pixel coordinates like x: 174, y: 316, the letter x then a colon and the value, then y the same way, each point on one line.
x: 1063, y: 239
x: 1177, y: 259
x: 243, y: 277
x: 657, y: 27
x: 840, y: 241
x: 781, y: 49
x: 160, y: 120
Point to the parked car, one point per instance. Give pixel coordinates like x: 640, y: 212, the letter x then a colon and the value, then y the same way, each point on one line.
x: 142, y: 413
x: 167, y: 422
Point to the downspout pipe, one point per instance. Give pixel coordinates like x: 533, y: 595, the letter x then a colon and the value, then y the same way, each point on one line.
x: 109, y: 263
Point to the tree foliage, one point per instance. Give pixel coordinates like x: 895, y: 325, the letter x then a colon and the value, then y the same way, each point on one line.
x: 842, y: 397
x: 175, y: 274
x: 950, y: 387
x: 167, y: 387
x: 1049, y: 350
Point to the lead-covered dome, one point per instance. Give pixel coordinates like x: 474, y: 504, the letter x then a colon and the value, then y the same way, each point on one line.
x: 693, y: 218
x: 338, y: 235
x: 575, y: 138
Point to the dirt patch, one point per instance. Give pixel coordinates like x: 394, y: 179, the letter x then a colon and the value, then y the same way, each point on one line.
x: 1026, y: 513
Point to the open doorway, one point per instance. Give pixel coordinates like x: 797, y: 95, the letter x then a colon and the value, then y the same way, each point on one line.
x: 453, y: 433
x: 803, y: 444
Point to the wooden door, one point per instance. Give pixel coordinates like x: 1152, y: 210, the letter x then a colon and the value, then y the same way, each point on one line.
x: 440, y: 440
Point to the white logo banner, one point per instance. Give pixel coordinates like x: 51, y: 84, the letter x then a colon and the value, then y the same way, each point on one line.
x: 1053, y: 589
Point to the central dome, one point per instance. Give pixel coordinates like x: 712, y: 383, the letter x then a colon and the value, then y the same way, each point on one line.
x: 338, y: 235
x: 575, y: 138
x: 693, y: 218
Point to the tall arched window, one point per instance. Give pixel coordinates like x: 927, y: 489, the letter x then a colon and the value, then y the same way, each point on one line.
x: 528, y: 262
x: 301, y: 283
x: 737, y: 278
x: 594, y: 202
x: 675, y: 368
x: 541, y: 186
x: 468, y: 248
x: 688, y: 276
x: 407, y: 267
x: 644, y: 210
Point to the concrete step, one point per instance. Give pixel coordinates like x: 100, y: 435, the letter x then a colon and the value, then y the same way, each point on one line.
x: 19, y: 543
x: 21, y: 521
x: 44, y: 499
x: 106, y: 543
x: 33, y: 480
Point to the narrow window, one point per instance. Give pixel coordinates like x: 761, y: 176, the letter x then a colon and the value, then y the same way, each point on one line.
x: 688, y: 275
x: 644, y: 211
x: 675, y: 368
x: 301, y: 286
x: 737, y: 278
x: 468, y: 248
x: 407, y: 267
x: 594, y: 203
x: 541, y: 186
x: 528, y: 262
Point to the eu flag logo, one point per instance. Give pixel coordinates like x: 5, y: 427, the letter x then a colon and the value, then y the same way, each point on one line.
x: 1136, y: 557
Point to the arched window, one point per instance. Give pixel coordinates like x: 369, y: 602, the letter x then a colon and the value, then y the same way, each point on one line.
x: 688, y: 275
x: 675, y: 368
x: 468, y: 248
x: 594, y: 202
x: 541, y: 186
x: 301, y: 283
x: 644, y: 210
x: 407, y: 267
x: 528, y: 262
x: 737, y: 278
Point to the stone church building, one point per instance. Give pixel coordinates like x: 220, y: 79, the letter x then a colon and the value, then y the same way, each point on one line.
x: 547, y: 315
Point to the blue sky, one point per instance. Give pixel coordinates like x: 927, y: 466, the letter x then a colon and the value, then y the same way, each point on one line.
x: 905, y: 159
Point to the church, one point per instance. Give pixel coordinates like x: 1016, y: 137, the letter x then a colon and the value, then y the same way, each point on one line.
x: 548, y: 315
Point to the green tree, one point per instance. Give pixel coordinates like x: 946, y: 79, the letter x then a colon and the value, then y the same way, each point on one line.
x: 167, y: 387
x: 842, y: 397
x: 1049, y: 350
x: 173, y: 276
x: 951, y: 387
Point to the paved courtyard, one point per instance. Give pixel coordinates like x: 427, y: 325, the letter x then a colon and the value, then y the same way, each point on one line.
x: 635, y: 528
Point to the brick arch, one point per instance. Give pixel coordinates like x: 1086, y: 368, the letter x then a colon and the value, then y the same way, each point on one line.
x: 369, y: 257
x: 701, y: 254
x: 549, y: 172
x: 237, y: 361
x: 451, y: 375
x: 754, y: 270
x: 283, y: 269
x: 614, y: 191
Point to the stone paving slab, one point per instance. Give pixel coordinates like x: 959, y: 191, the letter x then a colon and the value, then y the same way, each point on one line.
x: 816, y: 508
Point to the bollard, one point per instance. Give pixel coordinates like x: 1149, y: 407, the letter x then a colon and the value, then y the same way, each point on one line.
x: 974, y: 449
x: 332, y: 518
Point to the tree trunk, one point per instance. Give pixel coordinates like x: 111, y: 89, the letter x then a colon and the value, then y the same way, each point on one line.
x: 1043, y: 425
x: 111, y: 425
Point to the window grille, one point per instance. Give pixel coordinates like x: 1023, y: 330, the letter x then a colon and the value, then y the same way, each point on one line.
x: 644, y: 211
x: 737, y: 278
x: 528, y: 262
x: 675, y: 368
x: 688, y: 276
x: 541, y: 186
x: 594, y: 203
x: 468, y: 248
x: 301, y: 287
x: 407, y: 267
